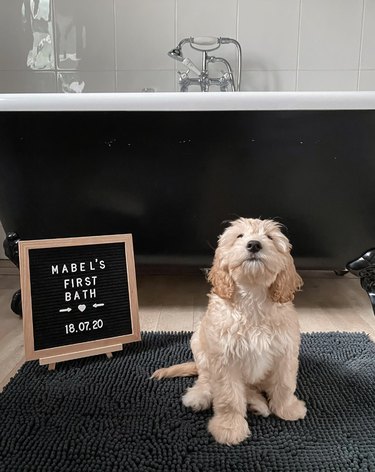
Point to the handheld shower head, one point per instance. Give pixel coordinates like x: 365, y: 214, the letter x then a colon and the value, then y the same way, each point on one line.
x: 176, y: 53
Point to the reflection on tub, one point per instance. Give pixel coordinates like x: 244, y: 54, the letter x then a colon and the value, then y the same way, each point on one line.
x: 37, y: 14
x: 70, y: 82
x: 70, y: 33
x: 67, y: 36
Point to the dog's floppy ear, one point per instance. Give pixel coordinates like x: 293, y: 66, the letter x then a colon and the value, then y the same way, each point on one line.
x: 287, y: 283
x: 219, y: 277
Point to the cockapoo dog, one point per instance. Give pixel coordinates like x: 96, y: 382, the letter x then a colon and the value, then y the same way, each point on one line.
x: 246, y: 347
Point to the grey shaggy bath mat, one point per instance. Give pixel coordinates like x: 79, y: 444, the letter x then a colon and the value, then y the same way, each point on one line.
x: 106, y: 415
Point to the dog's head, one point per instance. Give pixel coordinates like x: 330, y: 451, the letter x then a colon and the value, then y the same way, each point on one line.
x: 254, y: 252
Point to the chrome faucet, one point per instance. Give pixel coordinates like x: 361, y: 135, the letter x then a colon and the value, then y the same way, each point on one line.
x: 205, y: 44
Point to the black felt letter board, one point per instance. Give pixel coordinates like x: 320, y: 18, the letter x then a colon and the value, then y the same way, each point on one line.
x: 79, y: 294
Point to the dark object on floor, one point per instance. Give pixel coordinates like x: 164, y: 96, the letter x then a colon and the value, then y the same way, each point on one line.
x: 11, y: 250
x: 364, y: 267
x: 100, y: 415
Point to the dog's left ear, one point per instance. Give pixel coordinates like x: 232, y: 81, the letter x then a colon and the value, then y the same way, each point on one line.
x: 287, y: 283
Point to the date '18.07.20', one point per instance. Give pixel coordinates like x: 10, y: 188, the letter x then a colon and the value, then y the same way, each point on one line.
x: 83, y: 326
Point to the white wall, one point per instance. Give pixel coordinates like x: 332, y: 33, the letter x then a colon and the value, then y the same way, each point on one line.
x: 287, y: 44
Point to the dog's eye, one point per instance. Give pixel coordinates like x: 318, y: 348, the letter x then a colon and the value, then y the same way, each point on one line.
x: 240, y: 236
x: 269, y: 237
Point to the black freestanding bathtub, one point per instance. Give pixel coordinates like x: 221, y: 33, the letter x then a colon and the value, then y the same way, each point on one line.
x: 170, y: 167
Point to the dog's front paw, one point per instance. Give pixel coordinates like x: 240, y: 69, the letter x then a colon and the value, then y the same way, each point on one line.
x: 295, y: 410
x: 229, y: 431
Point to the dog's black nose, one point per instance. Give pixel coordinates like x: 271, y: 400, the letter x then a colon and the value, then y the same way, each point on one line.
x: 254, y: 246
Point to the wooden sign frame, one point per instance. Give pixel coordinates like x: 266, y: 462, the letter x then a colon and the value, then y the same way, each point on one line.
x: 88, y: 348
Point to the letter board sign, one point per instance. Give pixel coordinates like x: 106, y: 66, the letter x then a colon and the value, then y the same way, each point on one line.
x: 78, y: 295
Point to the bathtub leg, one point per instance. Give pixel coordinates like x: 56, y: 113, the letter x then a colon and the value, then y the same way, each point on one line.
x: 11, y: 251
x: 16, y: 303
x: 341, y: 272
x: 364, y: 268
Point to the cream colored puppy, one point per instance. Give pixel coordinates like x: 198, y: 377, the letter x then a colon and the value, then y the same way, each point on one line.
x: 246, y: 347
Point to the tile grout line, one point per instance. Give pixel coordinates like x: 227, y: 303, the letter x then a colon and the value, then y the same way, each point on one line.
x: 298, y: 46
x: 361, y: 43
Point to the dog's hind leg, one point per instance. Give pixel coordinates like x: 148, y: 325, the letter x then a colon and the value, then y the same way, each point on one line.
x: 199, y: 396
x: 256, y: 402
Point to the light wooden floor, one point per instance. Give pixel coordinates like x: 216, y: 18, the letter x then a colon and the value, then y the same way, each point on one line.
x: 177, y: 302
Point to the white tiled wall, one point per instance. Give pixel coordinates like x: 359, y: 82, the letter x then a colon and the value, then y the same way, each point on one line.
x: 122, y: 45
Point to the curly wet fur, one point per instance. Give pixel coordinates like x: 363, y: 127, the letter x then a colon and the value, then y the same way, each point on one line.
x: 246, y: 347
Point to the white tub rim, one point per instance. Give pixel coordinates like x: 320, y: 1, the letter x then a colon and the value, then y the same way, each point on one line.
x: 177, y: 101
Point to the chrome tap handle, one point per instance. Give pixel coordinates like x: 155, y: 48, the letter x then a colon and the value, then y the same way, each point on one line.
x: 183, y: 80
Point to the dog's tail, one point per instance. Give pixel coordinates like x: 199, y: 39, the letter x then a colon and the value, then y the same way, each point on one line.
x: 187, y: 369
